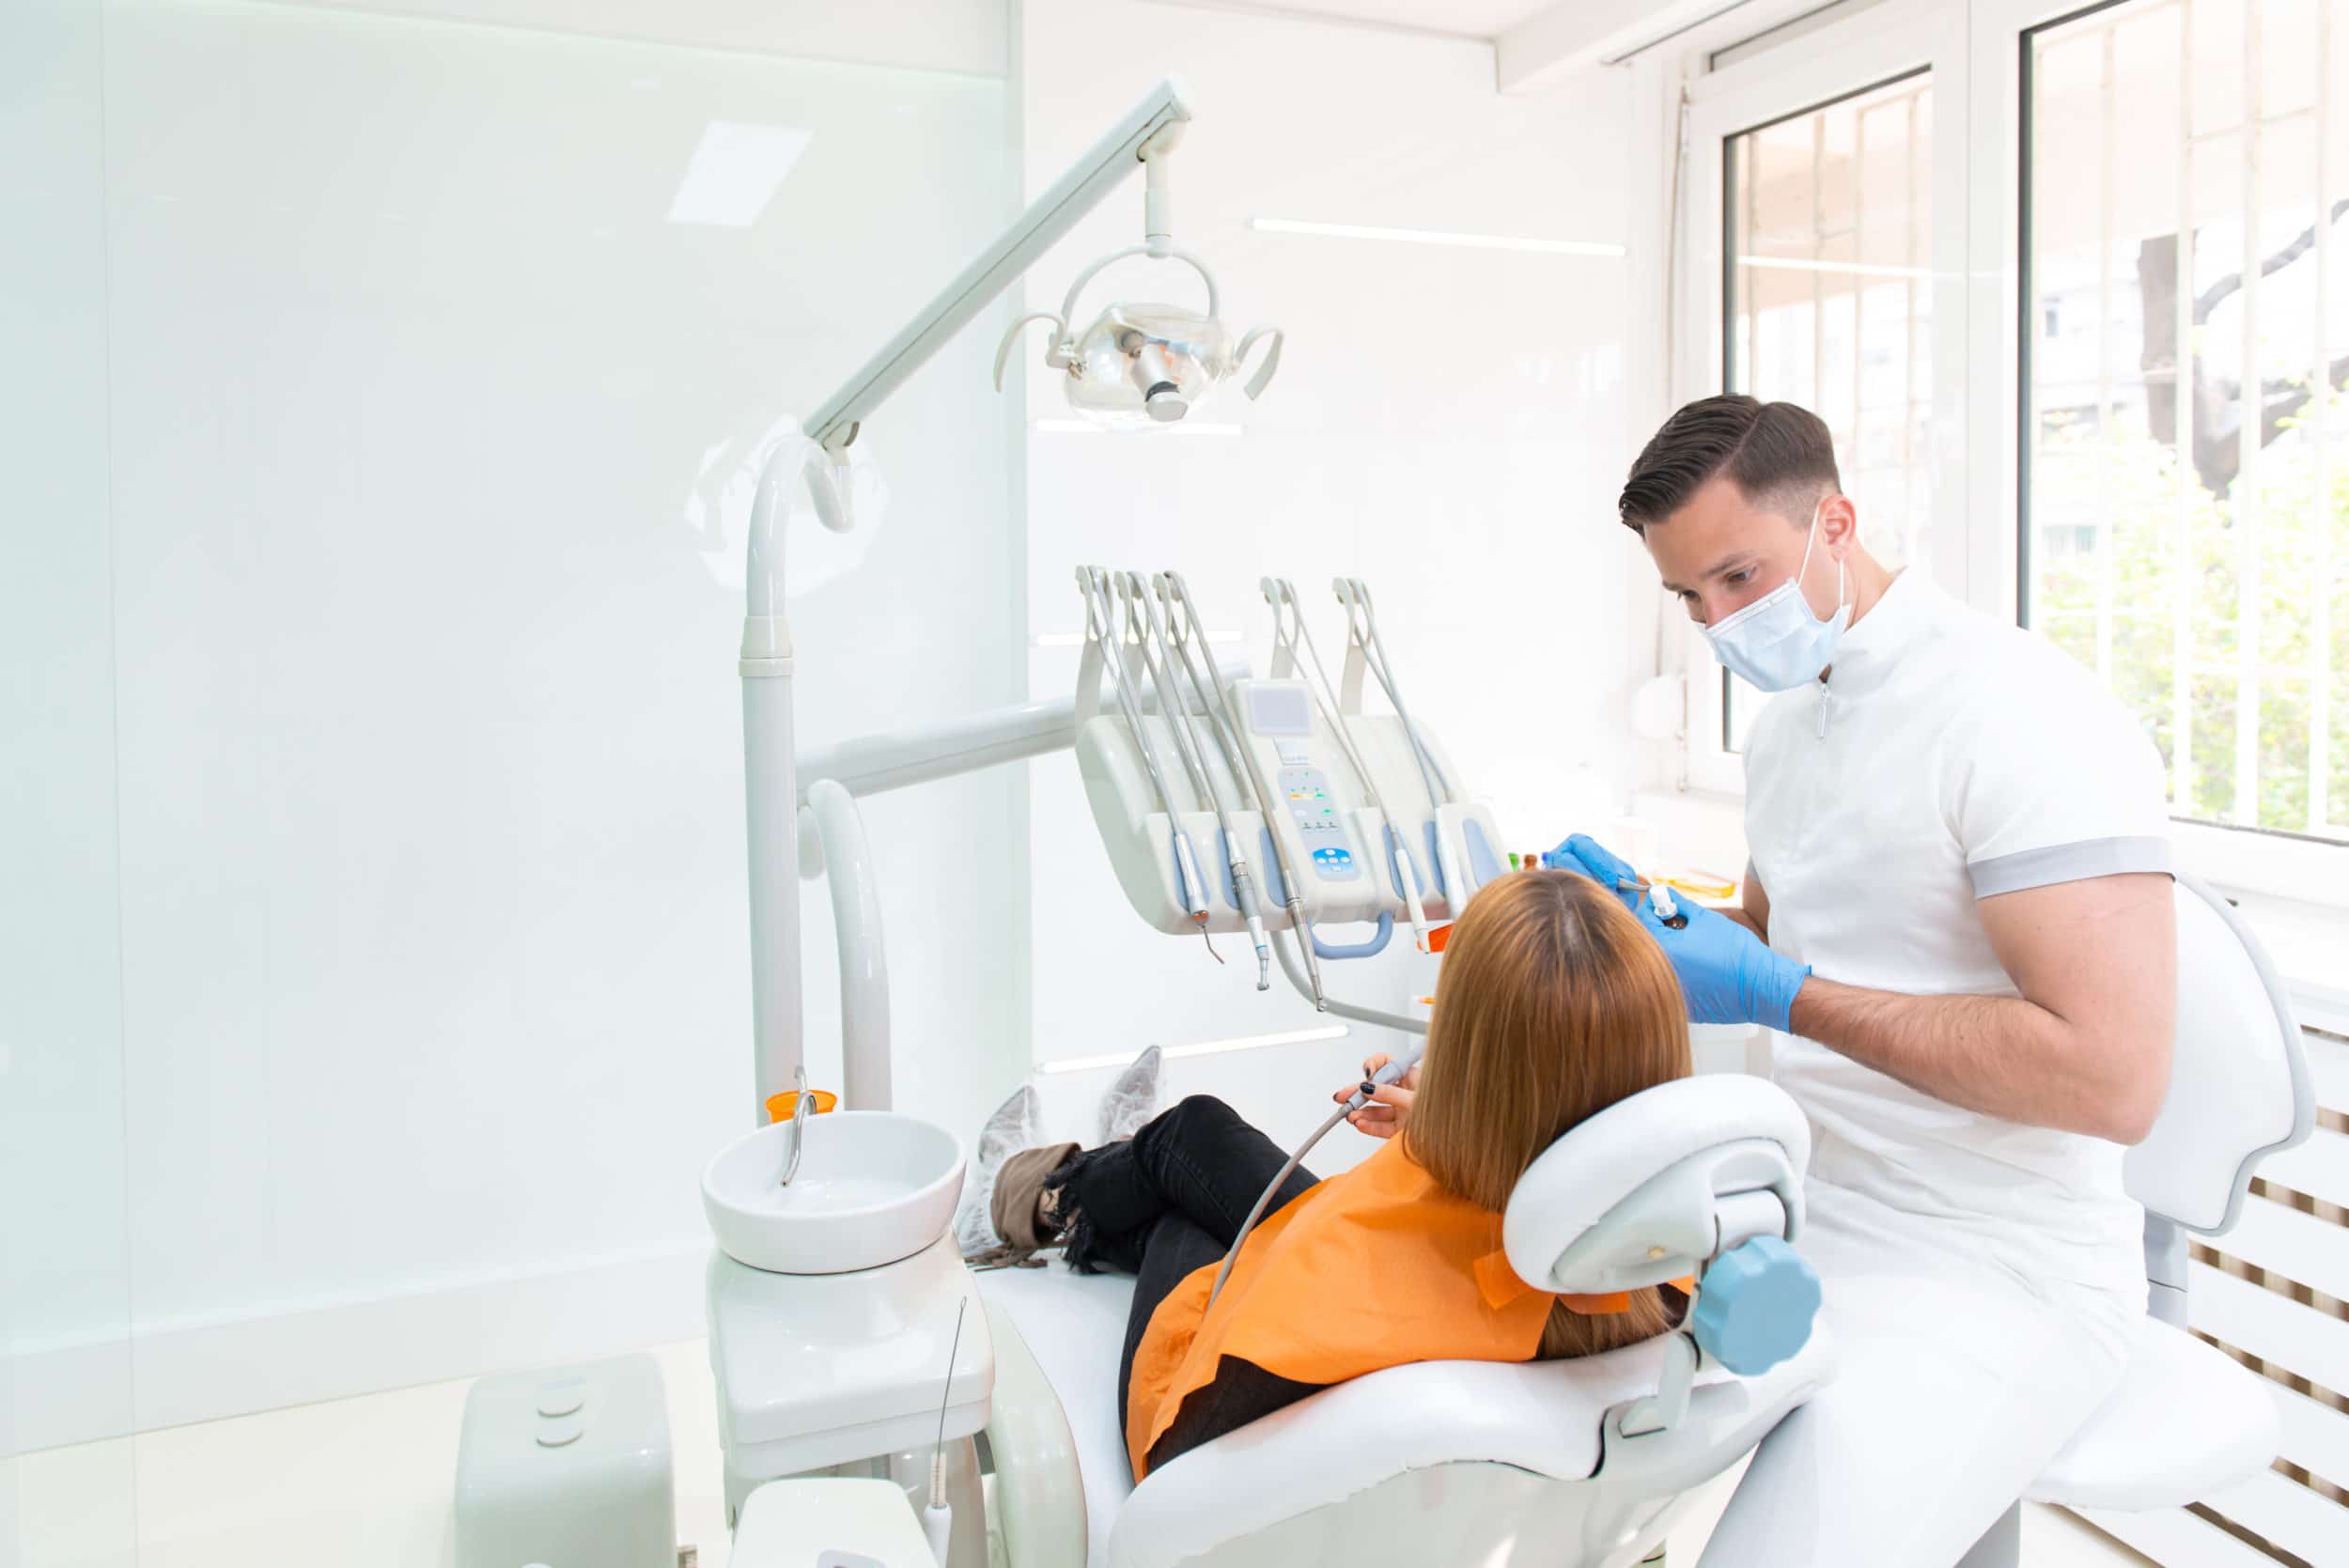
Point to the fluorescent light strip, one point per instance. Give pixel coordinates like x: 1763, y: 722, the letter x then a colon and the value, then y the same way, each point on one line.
x: 735, y: 172
x: 1858, y: 269
x: 1205, y: 1047
x: 1180, y: 427
x: 1434, y: 237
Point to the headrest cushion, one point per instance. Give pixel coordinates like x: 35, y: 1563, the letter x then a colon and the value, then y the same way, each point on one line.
x: 1634, y: 1195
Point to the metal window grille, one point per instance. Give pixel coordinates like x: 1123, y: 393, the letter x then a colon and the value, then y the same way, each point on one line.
x: 2274, y: 1293
x: 2186, y: 348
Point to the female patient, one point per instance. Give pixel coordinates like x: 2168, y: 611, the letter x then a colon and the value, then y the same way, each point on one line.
x: 1554, y: 1005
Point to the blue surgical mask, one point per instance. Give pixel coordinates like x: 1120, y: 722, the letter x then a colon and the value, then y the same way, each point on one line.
x: 1776, y: 643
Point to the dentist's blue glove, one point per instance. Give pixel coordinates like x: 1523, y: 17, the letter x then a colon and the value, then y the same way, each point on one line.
x: 1593, y: 860
x: 1726, y: 973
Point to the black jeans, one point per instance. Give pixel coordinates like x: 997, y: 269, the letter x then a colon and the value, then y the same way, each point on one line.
x: 1162, y: 1206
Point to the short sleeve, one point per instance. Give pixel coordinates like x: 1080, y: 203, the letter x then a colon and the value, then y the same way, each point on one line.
x: 2057, y: 783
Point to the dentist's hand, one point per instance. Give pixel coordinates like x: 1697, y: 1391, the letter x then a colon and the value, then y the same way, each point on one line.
x: 1584, y: 854
x: 1726, y: 973
x: 1383, y: 1115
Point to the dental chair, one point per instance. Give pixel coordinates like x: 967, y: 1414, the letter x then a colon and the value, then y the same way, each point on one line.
x: 2187, y: 1421
x: 1566, y: 1462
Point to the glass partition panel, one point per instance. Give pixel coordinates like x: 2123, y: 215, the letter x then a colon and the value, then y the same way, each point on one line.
x: 384, y: 403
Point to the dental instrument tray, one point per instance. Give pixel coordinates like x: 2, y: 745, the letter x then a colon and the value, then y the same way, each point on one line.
x: 1201, y: 785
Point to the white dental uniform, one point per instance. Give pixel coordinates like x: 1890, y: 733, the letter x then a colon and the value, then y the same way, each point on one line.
x: 1979, y: 1275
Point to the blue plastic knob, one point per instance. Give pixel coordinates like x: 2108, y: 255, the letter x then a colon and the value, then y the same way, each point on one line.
x: 1755, y: 1306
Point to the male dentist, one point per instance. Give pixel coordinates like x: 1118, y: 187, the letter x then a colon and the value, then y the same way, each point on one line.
x: 1959, y: 918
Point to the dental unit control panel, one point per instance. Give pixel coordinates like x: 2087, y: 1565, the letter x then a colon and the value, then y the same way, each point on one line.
x: 1281, y: 714
x: 1214, y: 792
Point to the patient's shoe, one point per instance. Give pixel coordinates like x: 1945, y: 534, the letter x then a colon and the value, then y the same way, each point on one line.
x: 1016, y: 1125
x: 1134, y: 1099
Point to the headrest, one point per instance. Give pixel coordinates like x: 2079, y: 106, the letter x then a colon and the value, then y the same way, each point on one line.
x: 1652, y: 1187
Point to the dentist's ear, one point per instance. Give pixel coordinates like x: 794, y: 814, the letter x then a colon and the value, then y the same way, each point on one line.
x: 1838, y: 525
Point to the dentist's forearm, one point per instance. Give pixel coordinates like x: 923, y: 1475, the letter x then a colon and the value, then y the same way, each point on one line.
x: 2002, y: 1056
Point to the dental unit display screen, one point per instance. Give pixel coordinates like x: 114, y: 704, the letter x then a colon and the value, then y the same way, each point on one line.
x: 1280, y: 710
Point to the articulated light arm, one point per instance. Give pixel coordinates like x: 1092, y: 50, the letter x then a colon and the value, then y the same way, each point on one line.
x: 1143, y: 137
x: 766, y: 667
x: 1155, y: 126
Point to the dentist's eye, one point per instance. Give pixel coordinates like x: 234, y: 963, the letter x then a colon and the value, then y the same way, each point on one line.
x: 1741, y: 578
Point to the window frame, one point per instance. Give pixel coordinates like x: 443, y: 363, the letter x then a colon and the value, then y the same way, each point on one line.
x: 1880, y: 43
x: 1976, y: 54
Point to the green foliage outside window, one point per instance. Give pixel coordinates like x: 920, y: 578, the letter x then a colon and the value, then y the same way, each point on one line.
x: 2123, y: 495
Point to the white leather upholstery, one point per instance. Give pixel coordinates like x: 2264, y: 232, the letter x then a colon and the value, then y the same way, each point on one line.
x: 2186, y: 1421
x: 1541, y: 1419
x: 2238, y: 1084
x: 1544, y: 1418
x: 1696, y: 1138
x: 1075, y: 1326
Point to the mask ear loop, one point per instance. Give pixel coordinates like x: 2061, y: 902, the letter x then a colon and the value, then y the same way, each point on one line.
x: 1805, y: 568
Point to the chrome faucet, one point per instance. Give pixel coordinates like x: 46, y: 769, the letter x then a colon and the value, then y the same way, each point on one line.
x: 802, y: 1105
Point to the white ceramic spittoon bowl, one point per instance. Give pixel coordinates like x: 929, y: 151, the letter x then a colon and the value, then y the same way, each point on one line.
x: 872, y: 1187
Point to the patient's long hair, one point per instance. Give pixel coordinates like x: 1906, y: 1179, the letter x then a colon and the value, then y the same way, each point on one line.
x: 1554, y: 1005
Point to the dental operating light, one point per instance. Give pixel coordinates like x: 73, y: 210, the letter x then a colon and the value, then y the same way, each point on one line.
x: 1154, y: 129
x: 1141, y: 364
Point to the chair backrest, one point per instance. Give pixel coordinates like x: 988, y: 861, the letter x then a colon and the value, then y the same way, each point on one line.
x: 2238, y: 1080
x: 1658, y: 1184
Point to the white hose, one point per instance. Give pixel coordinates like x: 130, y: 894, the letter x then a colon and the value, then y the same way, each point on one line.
x: 1391, y: 1073
x: 1098, y: 610
x: 1178, y: 712
x: 1281, y: 595
x: 1245, y: 766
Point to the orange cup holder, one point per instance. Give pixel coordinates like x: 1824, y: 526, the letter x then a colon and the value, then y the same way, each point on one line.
x: 780, y: 1107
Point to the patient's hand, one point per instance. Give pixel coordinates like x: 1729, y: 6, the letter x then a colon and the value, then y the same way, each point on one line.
x: 1383, y: 1116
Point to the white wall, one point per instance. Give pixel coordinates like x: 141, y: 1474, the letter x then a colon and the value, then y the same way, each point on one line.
x: 384, y: 569
x: 431, y: 446
x: 1448, y: 424
x: 64, y: 1260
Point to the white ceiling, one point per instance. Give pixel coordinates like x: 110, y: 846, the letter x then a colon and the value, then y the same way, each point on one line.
x: 1467, y: 19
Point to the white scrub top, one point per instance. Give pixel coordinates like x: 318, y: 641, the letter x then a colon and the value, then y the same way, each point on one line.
x: 1948, y: 758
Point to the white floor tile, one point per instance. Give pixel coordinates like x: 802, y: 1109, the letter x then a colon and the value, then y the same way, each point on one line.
x: 368, y: 1483
x: 74, y: 1507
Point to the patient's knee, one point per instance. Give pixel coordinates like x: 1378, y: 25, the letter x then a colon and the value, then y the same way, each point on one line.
x: 1194, y: 1115
x: 1202, y: 1108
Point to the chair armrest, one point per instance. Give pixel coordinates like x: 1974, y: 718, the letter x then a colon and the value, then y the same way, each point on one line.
x: 1039, y: 1500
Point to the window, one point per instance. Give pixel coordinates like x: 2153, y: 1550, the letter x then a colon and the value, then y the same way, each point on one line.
x: 1828, y: 301
x: 2185, y: 443
x: 2135, y: 442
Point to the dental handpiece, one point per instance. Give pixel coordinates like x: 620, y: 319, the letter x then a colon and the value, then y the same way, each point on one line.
x: 1154, y: 626
x: 1391, y: 1073
x: 1238, y: 751
x: 1094, y: 583
x: 1660, y: 898
x: 1124, y: 590
x: 1353, y: 593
